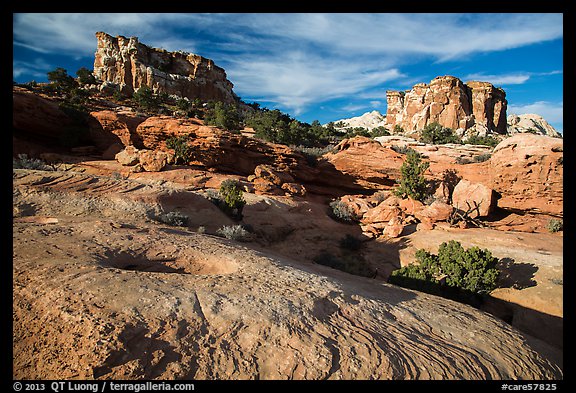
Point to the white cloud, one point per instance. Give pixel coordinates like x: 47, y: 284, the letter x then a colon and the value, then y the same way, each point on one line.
x: 498, y: 80
x: 37, y: 68
x: 508, y: 79
x: 297, y: 80
x: 295, y: 60
x: 550, y: 111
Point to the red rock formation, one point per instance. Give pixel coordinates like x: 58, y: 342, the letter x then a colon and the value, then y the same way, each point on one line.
x: 128, y: 64
x: 527, y: 171
x: 450, y: 102
x: 37, y: 117
x: 469, y: 195
x: 108, y: 127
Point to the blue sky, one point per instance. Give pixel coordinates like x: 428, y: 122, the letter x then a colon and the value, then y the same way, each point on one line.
x: 324, y: 66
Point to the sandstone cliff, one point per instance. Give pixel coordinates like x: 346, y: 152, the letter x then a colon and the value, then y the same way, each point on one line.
x: 473, y: 107
x: 129, y: 65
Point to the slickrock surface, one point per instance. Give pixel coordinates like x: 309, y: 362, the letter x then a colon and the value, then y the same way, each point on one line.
x: 106, y: 293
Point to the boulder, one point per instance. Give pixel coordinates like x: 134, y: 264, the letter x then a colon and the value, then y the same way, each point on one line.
x: 359, y: 206
x: 381, y: 213
x: 394, y: 227
x: 153, y: 161
x: 468, y: 195
x: 527, y: 171
x: 128, y: 157
x: 530, y: 123
x: 263, y: 186
x: 109, y: 127
x: 269, y: 173
x: 111, y: 151
x: 437, y: 211
x: 294, y: 189
x: 409, y: 206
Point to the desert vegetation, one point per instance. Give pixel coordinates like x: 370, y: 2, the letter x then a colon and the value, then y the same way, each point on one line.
x: 412, y: 182
x: 454, y: 272
x: 437, y: 134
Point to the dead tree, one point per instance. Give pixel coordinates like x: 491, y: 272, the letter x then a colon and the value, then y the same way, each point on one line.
x: 457, y: 216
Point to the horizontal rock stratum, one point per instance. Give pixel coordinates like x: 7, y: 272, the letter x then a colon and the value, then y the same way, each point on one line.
x: 128, y: 64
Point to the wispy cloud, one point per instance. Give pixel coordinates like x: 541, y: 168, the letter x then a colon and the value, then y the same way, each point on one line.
x: 295, y: 60
x: 37, y: 68
x: 505, y: 79
x: 508, y: 79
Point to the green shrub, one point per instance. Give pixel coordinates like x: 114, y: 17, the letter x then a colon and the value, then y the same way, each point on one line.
x: 482, y: 157
x: 436, y: 134
x: 454, y: 272
x: 312, y: 154
x: 349, y: 264
x: 223, y: 116
x: 482, y: 140
x: 379, y: 131
x: 401, y: 149
x: 412, y: 182
x: 233, y: 232
x: 173, y: 218
x: 342, y: 212
x: 232, y: 198
x: 555, y: 225
x: 85, y: 76
x: 145, y: 99
x: 398, y: 129
x: 60, y: 81
x: 182, y: 151
x: 23, y: 162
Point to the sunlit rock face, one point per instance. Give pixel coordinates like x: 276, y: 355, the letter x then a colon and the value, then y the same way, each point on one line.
x: 469, y: 108
x: 128, y: 65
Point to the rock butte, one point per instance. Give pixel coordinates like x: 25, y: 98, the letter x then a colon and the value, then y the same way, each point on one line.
x: 450, y: 102
x: 127, y: 64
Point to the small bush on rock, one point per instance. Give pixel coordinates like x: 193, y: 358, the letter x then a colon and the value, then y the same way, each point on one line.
x: 233, y: 232
x: 342, y: 212
x: 436, y: 134
x: 23, y: 162
x: 555, y: 225
x: 412, y: 182
x: 173, y: 218
x: 455, y: 272
x: 232, y: 198
x: 182, y: 151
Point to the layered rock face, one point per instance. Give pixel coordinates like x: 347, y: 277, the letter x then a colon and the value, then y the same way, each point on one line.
x: 129, y: 65
x: 450, y: 102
